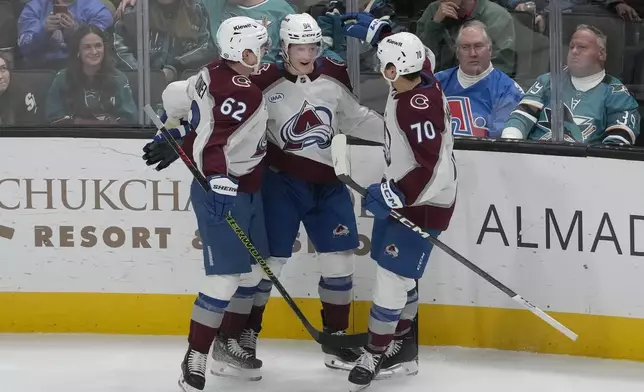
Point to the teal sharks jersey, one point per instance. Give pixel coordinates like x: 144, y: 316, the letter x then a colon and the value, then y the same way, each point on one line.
x: 607, y: 113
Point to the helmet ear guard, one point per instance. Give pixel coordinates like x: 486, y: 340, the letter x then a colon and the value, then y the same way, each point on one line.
x: 404, y: 51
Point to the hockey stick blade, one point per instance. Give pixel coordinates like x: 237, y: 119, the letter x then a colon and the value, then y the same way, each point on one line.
x: 341, y: 171
x: 323, y: 338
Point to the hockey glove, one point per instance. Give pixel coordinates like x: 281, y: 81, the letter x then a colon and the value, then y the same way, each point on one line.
x: 382, y: 198
x: 224, y: 191
x: 158, y: 150
x: 365, y: 27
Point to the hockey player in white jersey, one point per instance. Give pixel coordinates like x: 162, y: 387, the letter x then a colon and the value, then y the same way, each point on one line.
x: 310, y: 100
x: 225, y: 115
x: 420, y: 181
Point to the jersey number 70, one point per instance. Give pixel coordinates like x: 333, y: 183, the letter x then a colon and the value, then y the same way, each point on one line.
x: 424, y: 131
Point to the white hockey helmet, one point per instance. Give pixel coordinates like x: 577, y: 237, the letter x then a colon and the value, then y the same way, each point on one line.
x: 299, y: 29
x: 240, y: 33
x: 403, y: 50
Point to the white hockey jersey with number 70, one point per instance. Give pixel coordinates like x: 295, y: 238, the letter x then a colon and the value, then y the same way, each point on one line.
x: 418, y: 151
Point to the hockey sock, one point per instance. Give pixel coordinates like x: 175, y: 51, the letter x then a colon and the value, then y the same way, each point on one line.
x: 382, y: 326
x: 336, y: 296
x: 207, y: 314
x: 408, y: 313
x: 259, y: 304
x: 236, y: 315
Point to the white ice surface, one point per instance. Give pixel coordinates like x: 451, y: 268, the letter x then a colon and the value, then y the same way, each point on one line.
x: 95, y: 363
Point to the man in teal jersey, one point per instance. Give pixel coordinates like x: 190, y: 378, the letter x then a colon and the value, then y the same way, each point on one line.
x: 598, y: 108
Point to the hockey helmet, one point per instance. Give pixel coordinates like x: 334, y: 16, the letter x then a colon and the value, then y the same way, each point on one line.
x: 299, y: 29
x: 405, y: 51
x: 240, y: 33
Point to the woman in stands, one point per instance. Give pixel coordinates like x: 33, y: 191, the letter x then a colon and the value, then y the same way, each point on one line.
x: 17, y: 105
x: 90, y: 90
x: 179, y: 37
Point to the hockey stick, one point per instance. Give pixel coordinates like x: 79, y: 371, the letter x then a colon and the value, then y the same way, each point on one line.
x: 323, y: 338
x: 341, y: 161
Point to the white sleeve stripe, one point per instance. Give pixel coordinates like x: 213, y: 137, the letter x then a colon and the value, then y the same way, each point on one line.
x: 624, y: 128
x: 618, y: 138
x: 530, y: 118
x: 532, y: 103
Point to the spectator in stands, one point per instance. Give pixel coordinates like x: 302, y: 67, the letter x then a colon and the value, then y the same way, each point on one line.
x: 439, y: 25
x: 480, y: 96
x: 45, y: 28
x: 630, y: 10
x: 8, y: 28
x: 17, y: 107
x: 599, y: 7
x: 269, y: 11
x: 90, y: 90
x: 179, y: 37
x: 598, y: 108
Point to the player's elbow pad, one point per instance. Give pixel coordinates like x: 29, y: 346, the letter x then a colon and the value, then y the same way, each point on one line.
x: 512, y: 133
x: 176, y: 101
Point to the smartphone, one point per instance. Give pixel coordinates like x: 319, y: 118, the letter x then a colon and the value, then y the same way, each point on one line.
x: 60, y: 9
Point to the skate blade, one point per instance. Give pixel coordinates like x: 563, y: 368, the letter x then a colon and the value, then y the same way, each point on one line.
x: 223, y: 369
x: 333, y: 362
x: 185, y: 387
x: 356, y: 387
x: 400, y: 370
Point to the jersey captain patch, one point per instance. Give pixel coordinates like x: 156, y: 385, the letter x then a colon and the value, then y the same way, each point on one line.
x: 310, y: 126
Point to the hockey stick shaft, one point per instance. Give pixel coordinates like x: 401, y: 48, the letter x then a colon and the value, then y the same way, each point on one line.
x: 340, y: 341
x: 342, y: 171
x: 473, y: 267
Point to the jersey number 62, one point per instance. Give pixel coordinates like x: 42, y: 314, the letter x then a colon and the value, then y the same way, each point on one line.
x: 233, y: 108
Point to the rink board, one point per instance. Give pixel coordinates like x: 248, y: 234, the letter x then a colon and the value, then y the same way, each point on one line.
x: 103, y: 244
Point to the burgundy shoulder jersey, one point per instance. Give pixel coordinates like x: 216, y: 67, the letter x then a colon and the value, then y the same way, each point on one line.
x: 418, y: 151
x: 228, y: 115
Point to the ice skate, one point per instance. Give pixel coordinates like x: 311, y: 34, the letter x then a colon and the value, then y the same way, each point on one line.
x: 364, y: 372
x: 401, y: 358
x: 193, y: 371
x: 231, y: 360
x: 339, y: 358
x: 248, y: 341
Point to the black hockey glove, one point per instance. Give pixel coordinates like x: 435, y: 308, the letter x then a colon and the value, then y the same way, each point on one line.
x: 159, y: 152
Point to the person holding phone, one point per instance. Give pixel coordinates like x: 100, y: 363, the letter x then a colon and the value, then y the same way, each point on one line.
x: 45, y: 28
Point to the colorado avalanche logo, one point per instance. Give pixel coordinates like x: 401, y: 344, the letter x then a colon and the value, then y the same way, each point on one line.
x: 310, y: 126
x: 420, y: 102
x: 261, y: 147
x: 392, y: 250
x: 341, y: 231
x: 463, y: 121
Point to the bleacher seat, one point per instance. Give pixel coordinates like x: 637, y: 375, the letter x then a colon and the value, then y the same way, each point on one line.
x: 157, y: 85
x: 524, y: 43
x: 35, y: 82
